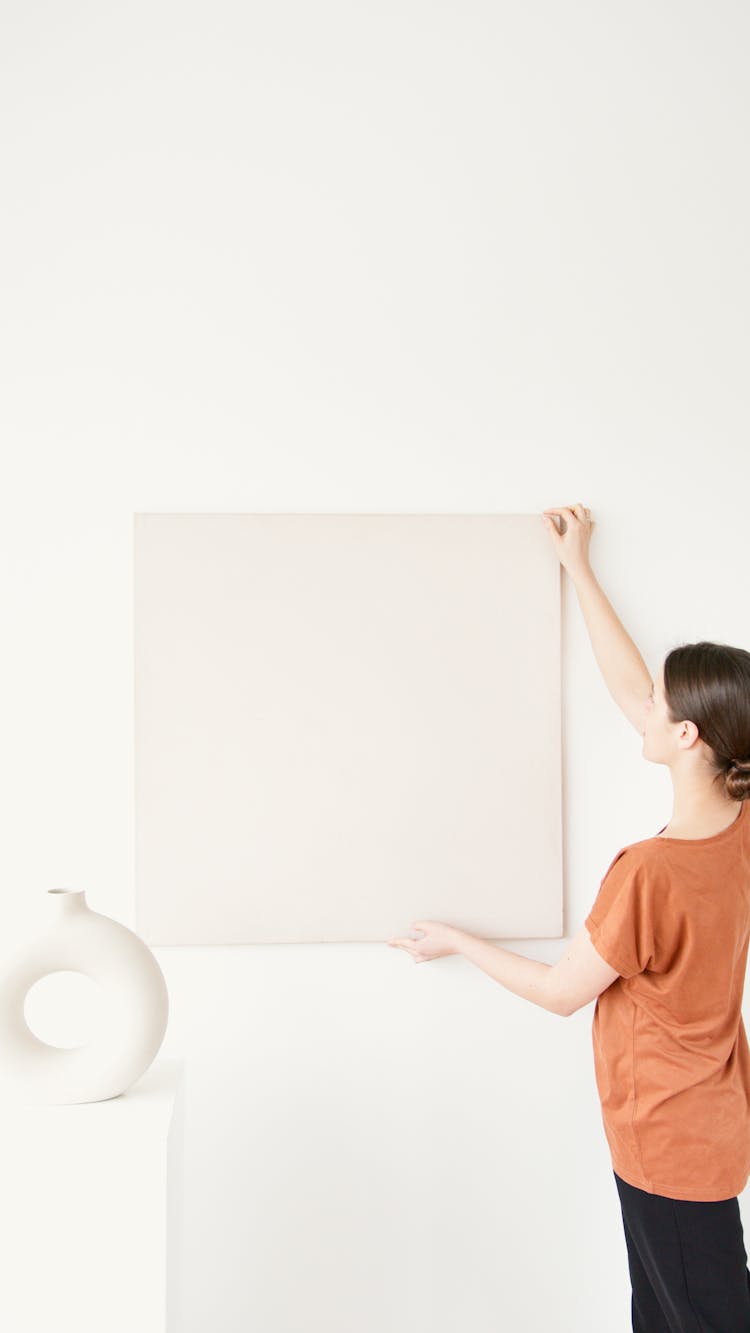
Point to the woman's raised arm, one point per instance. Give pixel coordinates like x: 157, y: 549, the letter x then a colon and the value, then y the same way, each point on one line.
x: 625, y: 673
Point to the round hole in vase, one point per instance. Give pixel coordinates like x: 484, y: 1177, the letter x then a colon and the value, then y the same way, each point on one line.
x: 64, y: 1009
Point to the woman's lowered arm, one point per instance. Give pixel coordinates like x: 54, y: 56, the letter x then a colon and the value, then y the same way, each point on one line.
x: 562, y: 988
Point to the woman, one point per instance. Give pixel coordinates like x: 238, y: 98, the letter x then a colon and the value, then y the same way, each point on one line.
x: 663, y: 952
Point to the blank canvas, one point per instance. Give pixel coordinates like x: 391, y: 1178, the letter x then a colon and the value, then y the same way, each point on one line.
x: 345, y: 722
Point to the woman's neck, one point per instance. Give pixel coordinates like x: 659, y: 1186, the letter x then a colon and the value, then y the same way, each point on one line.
x: 697, y: 813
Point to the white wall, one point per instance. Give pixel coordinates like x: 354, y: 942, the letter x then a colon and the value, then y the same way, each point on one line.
x: 399, y: 257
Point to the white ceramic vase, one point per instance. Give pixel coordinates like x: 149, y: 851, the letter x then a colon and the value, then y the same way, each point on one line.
x: 133, y: 1018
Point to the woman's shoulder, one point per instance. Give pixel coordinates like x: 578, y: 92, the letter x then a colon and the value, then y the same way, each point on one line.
x: 645, y: 861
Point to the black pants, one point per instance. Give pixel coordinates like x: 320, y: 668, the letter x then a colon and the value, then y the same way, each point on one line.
x: 688, y: 1264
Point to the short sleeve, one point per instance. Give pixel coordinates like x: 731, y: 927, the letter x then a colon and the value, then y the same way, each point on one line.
x: 620, y: 922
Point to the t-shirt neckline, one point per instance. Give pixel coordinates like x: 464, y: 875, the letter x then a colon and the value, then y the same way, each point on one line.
x: 713, y: 837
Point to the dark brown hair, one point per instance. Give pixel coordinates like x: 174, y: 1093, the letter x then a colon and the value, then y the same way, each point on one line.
x: 709, y: 684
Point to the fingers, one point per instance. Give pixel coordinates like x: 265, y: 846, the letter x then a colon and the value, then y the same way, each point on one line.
x: 409, y: 947
x: 561, y: 509
x: 567, y: 517
x: 575, y: 511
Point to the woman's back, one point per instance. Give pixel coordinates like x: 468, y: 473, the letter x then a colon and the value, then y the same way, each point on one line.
x: 671, y: 1054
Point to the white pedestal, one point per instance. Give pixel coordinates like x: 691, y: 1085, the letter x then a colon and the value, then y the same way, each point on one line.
x: 91, y: 1211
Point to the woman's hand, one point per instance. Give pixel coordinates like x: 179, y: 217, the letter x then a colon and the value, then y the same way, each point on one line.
x: 438, y: 940
x: 572, y: 542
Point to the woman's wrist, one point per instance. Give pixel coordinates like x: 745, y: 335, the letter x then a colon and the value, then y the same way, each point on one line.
x: 584, y: 574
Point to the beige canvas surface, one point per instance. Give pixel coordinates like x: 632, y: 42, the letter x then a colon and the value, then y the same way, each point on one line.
x: 345, y: 722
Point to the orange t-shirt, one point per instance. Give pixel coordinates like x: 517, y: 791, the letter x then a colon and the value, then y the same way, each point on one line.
x: 671, y: 1055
